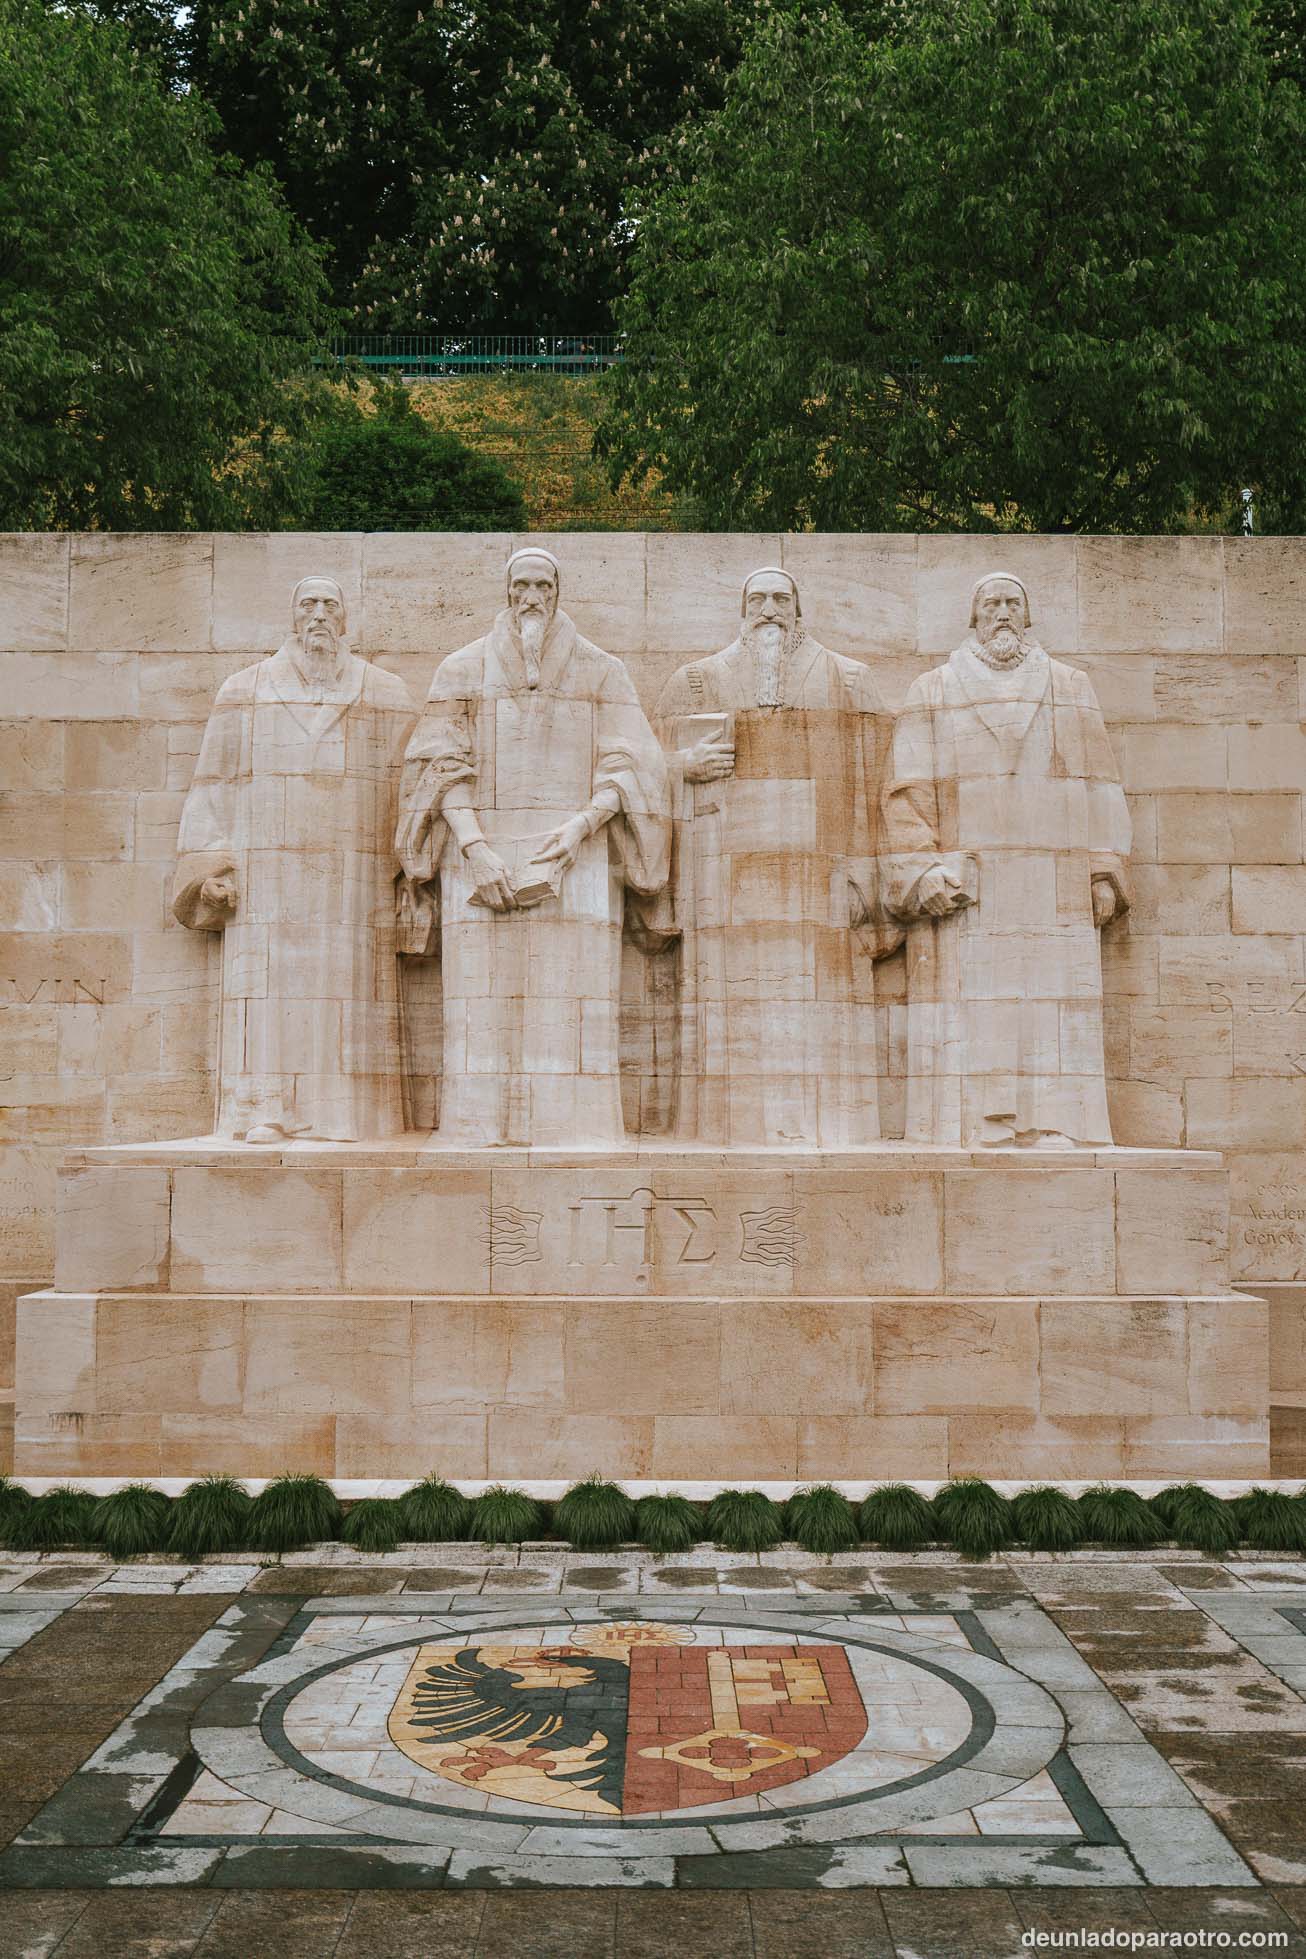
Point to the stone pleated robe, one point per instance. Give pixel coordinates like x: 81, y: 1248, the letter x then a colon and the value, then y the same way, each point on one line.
x: 294, y: 795
x: 1007, y: 779
x: 776, y: 1037
x: 531, y: 997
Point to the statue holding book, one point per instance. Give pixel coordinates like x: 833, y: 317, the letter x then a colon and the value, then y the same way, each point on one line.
x: 534, y: 798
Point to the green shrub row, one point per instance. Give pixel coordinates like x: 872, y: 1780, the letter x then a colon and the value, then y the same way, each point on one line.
x: 217, y: 1514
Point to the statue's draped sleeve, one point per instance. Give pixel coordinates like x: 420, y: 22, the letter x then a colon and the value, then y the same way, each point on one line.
x: 878, y: 932
x: 629, y: 764
x: 442, y: 752
x: 915, y: 822
x: 1110, y: 831
x: 207, y: 839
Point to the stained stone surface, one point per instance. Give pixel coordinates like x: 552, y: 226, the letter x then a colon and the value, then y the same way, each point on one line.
x: 708, y: 932
x: 656, y: 1313
x: 1002, y: 1733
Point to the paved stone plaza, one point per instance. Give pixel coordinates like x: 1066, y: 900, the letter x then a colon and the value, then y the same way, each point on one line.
x: 348, y: 1756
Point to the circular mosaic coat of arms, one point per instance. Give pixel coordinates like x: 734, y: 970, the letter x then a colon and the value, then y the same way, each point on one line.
x: 585, y: 1735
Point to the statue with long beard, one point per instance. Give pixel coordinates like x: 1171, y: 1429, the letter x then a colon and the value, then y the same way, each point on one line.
x: 534, y: 800
x: 775, y: 745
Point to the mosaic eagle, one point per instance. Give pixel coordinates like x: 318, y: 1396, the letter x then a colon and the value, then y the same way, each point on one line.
x: 465, y: 1700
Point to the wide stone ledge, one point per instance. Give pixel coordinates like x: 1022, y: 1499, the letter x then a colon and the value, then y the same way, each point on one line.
x: 667, y: 1223
x: 420, y: 1149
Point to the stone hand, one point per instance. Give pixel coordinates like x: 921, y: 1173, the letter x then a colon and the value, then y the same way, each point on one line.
x: 1106, y: 901
x: 939, y: 893
x: 562, y: 845
x: 710, y: 759
x: 219, y: 893
x: 490, y: 877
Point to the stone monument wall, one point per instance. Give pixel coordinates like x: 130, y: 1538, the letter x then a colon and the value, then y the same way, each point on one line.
x: 112, y: 648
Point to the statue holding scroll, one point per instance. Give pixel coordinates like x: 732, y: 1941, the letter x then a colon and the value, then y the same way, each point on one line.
x: 1009, y: 841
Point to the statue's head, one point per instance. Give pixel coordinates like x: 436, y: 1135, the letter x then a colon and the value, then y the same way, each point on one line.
x: 534, y: 577
x: 999, y: 614
x: 317, y: 615
x: 770, y: 598
x: 998, y: 599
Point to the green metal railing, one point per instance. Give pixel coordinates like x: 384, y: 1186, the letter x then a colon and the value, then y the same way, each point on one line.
x: 434, y: 355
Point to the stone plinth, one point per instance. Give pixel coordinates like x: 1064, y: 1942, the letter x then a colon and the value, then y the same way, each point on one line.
x: 657, y: 1312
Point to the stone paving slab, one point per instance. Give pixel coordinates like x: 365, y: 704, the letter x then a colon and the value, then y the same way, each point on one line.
x: 1136, y: 1738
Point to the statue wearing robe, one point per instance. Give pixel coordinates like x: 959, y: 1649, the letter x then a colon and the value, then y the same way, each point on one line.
x: 521, y: 744
x: 775, y: 890
x: 1003, y: 788
x: 292, y: 811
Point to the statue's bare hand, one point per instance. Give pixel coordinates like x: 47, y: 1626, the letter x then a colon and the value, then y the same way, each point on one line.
x: 939, y: 893
x: 219, y: 893
x: 562, y: 845
x: 1106, y: 901
x: 490, y: 877
x: 710, y: 759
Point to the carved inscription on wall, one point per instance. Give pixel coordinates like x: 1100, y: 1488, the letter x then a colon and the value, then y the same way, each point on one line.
x: 513, y: 1235
x: 52, y: 992
x: 633, y: 1239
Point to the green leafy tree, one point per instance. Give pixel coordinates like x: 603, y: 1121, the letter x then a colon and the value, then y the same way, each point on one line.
x: 388, y: 469
x: 1283, y: 35
x: 1015, y: 264
x: 466, y: 164
x: 156, y: 29
x: 153, y: 299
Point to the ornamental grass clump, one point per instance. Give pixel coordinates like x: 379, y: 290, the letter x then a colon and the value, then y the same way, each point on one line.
x: 1047, y: 1519
x: 13, y: 1497
x: 1271, y: 1520
x: 375, y: 1523
x: 435, y: 1512
x: 973, y: 1517
x: 1200, y: 1521
x: 821, y: 1520
x: 209, y: 1517
x: 293, y: 1511
x: 1118, y: 1517
x: 898, y: 1518
x: 59, y: 1520
x: 504, y: 1516
x: 667, y: 1523
x: 594, y: 1515
x: 132, y: 1521
x: 744, y: 1520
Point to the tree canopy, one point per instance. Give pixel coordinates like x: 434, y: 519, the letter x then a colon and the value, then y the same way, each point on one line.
x: 385, y: 468
x: 153, y: 298
x: 1031, y: 264
x: 465, y: 164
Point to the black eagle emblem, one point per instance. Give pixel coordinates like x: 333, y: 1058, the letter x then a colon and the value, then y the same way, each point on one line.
x: 464, y: 1700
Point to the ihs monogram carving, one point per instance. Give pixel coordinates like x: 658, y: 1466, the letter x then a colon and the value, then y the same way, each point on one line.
x: 610, y: 1224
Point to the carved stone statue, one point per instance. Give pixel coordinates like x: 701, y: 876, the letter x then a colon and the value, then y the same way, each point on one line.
x: 536, y: 793
x: 1009, y: 838
x: 287, y: 848
x: 776, y: 748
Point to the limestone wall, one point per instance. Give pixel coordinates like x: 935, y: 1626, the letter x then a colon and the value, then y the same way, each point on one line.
x: 111, y: 649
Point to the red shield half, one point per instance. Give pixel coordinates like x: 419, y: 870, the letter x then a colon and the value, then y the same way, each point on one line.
x: 708, y: 1723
